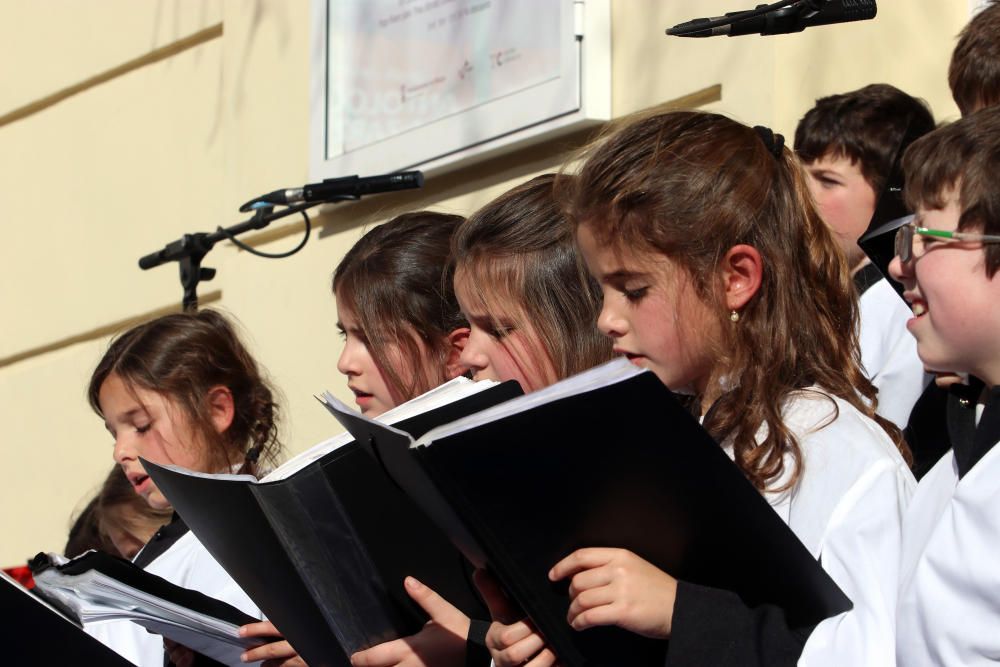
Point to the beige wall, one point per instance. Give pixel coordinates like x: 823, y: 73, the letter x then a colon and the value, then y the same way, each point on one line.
x: 126, y: 123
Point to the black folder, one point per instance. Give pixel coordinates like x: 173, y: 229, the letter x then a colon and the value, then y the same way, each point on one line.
x: 35, y: 633
x: 621, y: 465
x: 879, y: 240
x: 324, y: 552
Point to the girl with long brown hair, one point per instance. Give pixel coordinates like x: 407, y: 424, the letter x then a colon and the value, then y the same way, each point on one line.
x: 531, y: 306
x: 719, y: 276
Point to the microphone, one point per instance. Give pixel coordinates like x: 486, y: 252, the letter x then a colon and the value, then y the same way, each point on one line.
x: 794, y: 18
x: 337, y: 189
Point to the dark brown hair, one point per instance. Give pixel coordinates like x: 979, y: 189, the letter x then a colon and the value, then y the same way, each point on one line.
x: 118, y: 505
x: 692, y: 185
x: 397, y: 279
x: 974, y: 72
x: 518, y: 252
x: 182, y: 356
x: 85, y: 533
x: 964, y: 157
x: 870, y: 126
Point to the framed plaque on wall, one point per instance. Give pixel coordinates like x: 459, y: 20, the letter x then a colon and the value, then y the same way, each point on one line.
x: 435, y: 84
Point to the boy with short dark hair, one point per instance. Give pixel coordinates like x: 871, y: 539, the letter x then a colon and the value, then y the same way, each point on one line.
x: 974, y: 73
x: 948, y: 260
x: 850, y: 145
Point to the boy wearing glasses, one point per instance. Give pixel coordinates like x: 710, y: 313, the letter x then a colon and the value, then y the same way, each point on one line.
x: 948, y: 260
x: 850, y: 145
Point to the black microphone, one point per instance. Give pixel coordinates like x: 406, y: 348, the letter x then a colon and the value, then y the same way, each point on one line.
x: 794, y: 18
x: 337, y: 189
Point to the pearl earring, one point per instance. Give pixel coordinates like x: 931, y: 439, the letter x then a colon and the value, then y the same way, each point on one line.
x: 734, y: 316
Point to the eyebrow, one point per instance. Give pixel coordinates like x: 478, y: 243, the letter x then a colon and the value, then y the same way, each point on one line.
x: 620, y: 275
x: 352, y: 330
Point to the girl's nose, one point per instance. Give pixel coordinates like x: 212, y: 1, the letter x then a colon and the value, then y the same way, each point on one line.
x: 610, y: 323
x: 346, y: 363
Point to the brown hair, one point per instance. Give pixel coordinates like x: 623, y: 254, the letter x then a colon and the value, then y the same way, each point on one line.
x: 974, y: 72
x: 871, y: 126
x: 118, y: 505
x: 182, y: 356
x: 397, y: 279
x: 518, y: 250
x: 963, y: 156
x: 85, y: 534
x: 690, y: 186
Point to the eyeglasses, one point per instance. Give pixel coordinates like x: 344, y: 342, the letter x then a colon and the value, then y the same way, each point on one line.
x: 905, y: 234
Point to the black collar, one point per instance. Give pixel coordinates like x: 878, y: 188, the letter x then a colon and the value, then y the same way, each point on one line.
x: 970, y: 441
x: 161, y: 541
x: 866, y: 277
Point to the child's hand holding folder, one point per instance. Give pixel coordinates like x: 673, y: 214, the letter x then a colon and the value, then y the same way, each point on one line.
x: 440, y: 642
x: 511, y: 642
x: 276, y: 654
x: 616, y: 587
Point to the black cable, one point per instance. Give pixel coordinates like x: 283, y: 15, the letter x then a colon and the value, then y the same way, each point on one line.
x: 736, y: 17
x: 243, y: 246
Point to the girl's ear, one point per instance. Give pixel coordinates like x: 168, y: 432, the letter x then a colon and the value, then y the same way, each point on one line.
x: 742, y: 269
x: 456, y: 343
x: 220, y: 407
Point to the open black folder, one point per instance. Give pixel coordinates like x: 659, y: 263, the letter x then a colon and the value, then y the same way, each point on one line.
x: 96, y: 586
x: 324, y: 551
x: 606, y: 458
x: 34, y: 632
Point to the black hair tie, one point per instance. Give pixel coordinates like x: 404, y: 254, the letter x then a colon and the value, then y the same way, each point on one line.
x: 253, y: 454
x: 775, y: 142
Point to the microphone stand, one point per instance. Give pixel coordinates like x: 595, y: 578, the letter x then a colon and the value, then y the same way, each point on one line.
x: 189, y: 250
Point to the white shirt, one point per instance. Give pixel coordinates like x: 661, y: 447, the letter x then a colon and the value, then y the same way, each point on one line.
x: 186, y: 563
x: 949, y: 598
x: 889, y: 352
x: 847, y: 509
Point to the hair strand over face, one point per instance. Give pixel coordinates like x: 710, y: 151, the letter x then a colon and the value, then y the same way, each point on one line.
x: 519, y: 256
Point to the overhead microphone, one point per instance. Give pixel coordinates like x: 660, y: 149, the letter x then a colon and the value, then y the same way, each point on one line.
x: 777, y: 19
x: 339, y: 189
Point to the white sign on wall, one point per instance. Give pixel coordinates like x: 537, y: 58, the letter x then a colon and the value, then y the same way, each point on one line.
x: 431, y: 84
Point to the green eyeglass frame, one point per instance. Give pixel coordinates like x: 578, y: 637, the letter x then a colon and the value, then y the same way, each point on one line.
x: 908, y: 229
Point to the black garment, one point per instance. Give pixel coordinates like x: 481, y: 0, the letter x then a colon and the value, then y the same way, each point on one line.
x: 941, y: 418
x: 865, y: 277
x: 971, y: 447
x: 161, y: 541
x: 926, y: 431
x: 714, y: 627
x: 476, y: 653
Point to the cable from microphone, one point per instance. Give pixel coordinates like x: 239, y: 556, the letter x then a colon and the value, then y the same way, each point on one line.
x: 339, y: 189
x: 786, y: 16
